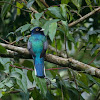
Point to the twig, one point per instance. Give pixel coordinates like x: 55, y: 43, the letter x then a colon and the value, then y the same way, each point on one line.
x: 33, y: 69
x: 4, y: 40
x: 89, y: 6
x: 19, y: 40
x: 93, y: 58
x: 30, y: 89
x: 76, y: 12
x: 21, y: 67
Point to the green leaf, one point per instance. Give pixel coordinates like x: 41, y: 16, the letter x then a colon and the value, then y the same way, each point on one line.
x: 19, y: 5
x: 69, y: 45
x: 1, y: 84
x: 95, y: 48
x: 9, y: 83
x: 5, y: 63
x: 36, y: 95
x: 20, y: 78
x: 18, y: 38
x: 55, y: 11
x: 70, y: 37
x: 52, y: 30
x: 29, y: 3
x: 40, y: 4
x: 11, y: 33
x: 29, y: 74
x: 63, y: 11
x: 41, y: 84
x: 25, y: 27
x: 5, y: 8
x: 69, y: 73
x: 22, y: 85
x: 98, y: 31
x: 74, y: 94
x: 84, y: 87
x: 28, y: 63
x: 17, y: 29
x: 1, y: 67
x: 14, y: 14
x: 2, y: 49
x: 38, y: 15
x: 1, y: 94
x: 15, y: 75
x: 77, y: 3
x: 82, y: 28
x: 89, y: 3
x: 6, y: 82
x: 65, y: 1
x: 46, y: 25
x: 65, y: 26
x: 93, y: 80
x: 91, y: 32
x: 82, y: 77
x: 24, y: 96
x: 35, y: 22
x: 25, y: 39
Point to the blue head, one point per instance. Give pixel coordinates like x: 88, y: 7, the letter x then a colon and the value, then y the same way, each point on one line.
x: 37, y: 30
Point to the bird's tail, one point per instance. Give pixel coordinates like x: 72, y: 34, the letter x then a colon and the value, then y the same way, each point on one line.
x: 39, y: 67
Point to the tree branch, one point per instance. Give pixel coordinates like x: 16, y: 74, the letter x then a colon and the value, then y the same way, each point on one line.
x: 59, y: 53
x: 84, y: 17
x: 74, y: 64
x: 50, y: 47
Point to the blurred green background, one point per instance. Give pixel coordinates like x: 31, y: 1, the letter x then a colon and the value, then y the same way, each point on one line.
x: 81, y: 42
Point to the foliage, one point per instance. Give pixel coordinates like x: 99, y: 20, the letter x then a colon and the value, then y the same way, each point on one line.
x: 82, y: 42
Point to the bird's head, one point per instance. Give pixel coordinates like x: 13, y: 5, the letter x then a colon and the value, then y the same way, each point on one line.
x: 37, y: 30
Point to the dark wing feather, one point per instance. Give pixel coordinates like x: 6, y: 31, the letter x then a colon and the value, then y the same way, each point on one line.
x: 45, y: 46
x: 29, y: 46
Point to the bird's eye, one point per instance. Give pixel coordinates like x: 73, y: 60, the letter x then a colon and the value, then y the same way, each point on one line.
x: 37, y: 29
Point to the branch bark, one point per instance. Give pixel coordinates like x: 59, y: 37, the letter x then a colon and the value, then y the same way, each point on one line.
x: 84, y: 17
x: 74, y: 64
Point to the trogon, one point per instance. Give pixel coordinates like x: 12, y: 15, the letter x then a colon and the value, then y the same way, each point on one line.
x: 37, y: 46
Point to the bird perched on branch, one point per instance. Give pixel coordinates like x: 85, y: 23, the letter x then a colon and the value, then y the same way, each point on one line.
x: 37, y: 46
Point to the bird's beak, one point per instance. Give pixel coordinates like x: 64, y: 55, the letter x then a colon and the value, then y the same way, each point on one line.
x: 42, y: 29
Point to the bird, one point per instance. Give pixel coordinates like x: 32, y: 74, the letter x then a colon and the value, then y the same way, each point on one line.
x: 37, y: 46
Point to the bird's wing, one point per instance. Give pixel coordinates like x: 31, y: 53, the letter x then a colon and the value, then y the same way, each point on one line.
x: 45, y: 46
x: 29, y: 46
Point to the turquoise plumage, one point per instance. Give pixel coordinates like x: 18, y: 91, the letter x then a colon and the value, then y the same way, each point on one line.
x: 37, y: 46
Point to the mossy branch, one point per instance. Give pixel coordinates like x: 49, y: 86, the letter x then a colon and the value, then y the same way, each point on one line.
x: 74, y: 64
